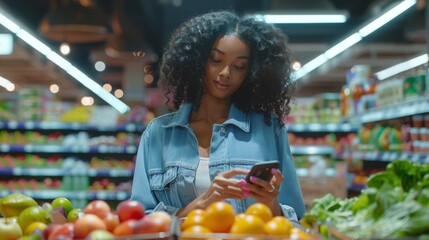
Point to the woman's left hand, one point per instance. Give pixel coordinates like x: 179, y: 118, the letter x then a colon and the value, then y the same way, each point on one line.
x: 265, y: 192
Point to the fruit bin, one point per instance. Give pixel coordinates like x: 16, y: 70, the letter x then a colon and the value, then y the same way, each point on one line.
x: 302, y: 234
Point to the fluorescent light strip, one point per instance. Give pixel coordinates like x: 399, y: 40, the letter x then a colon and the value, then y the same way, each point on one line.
x: 355, y: 37
x: 4, y: 82
x: 386, y: 17
x: 303, y: 18
x: 402, y: 67
x: 343, y: 45
x: 61, y: 62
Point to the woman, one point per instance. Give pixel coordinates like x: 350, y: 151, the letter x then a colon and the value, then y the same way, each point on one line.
x: 229, y: 80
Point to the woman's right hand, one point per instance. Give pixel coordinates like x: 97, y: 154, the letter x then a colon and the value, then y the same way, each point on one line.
x: 222, y: 187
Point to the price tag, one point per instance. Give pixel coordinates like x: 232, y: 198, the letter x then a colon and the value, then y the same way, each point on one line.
x: 130, y: 127
x: 102, y: 195
x: 415, y: 158
x: 404, y: 156
x: 81, y: 195
x: 29, y: 124
x: 121, y: 195
x: 17, y: 171
x: 385, y: 157
x: 13, y: 124
x: 131, y: 149
x: 4, y: 147
x: 427, y: 159
x: 29, y: 148
x: 92, y: 172
x: 102, y: 149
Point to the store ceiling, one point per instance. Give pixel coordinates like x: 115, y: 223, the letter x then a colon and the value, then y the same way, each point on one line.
x: 144, y: 25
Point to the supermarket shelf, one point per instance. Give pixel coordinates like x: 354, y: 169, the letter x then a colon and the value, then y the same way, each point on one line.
x: 317, y: 127
x: 55, y: 172
x: 50, y: 194
x: 54, y: 148
x: 403, y: 109
x: 386, y: 156
x: 312, y: 150
x: 303, y: 172
x: 35, y: 125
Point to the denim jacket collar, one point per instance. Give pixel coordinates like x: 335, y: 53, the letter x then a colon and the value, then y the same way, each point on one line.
x: 235, y: 117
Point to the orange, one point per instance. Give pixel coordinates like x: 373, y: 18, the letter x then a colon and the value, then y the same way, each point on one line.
x: 248, y: 224
x: 193, y: 232
x: 260, y: 210
x: 219, y: 217
x: 298, y: 234
x: 196, y: 212
x: 193, y: 220
x: 278, y: 226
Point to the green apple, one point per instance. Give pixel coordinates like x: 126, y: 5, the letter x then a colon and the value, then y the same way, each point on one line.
x: 62, y: 202
x: 74, y: 215
x: 32, y: 214
x: 9, y: 229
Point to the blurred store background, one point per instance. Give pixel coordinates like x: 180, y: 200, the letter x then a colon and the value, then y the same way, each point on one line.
x: 78, y: 83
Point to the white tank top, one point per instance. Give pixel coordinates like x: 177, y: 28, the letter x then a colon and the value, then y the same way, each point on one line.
x: 202, y: 178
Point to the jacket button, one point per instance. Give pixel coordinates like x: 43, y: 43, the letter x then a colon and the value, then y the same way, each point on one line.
x: 222, y: 131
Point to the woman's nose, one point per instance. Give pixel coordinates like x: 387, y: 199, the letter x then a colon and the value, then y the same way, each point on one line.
x: 225, y: 72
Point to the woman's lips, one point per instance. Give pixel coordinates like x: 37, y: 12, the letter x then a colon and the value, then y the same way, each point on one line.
x: 221, y: 85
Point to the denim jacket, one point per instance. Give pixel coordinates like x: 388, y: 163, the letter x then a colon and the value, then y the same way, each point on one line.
x: 167, y: 159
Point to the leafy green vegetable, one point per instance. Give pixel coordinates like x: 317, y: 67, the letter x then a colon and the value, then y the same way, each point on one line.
x: 395, y: 205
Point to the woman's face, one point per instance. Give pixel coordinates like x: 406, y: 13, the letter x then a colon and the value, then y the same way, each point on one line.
x: 226, y: 67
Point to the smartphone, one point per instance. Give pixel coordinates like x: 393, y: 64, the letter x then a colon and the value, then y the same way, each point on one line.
x: 262, y: 170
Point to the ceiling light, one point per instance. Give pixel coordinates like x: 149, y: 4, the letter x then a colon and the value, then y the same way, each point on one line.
x: 119, y: 93
x: 6, y: 44
x: 303, y: 18
x: 402, y: 67
x: 100, y: 66
x: 54, y: 88
x: 8, y: 85
x: 65, y: 48
x: 386, y: 17
x: 107, y: 87
x: 77, y: 74
x: 355, y: 37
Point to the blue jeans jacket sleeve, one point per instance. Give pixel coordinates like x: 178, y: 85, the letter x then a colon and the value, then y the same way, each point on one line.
x: 290, y: 192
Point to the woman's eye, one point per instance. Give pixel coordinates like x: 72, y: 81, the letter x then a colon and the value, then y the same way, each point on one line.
x: 240, y: 67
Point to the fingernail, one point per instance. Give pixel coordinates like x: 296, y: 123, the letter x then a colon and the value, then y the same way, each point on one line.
x: 242, y: 182
x: 245, y: 189
x: 274, y: 170
x: 252, y: 178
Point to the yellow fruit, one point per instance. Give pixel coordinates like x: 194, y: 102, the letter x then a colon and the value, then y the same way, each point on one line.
x: 194, y: 232
x: 278, y: 226
x: 13, y: 204
x: 298, y: 234
x: 219, y: 217
x: 260, y: 210
x: 248, y: 224
x: 193, y: 220
x: 33, y: 226
x: 196, y: 212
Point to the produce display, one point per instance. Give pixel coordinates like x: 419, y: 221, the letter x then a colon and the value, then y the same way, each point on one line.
x: 219, y: 221
x: 24, y: 219
x: 394, y: 205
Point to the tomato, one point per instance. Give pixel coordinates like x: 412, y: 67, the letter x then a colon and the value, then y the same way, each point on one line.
x: 130, y: 209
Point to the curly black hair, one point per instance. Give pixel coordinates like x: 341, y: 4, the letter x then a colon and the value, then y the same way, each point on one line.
x: 268, y: 87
